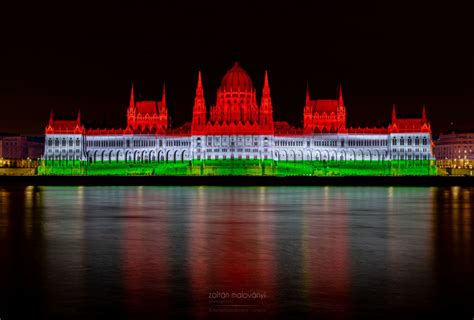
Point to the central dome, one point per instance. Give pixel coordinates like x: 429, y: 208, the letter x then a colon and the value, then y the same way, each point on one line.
x: 236, y: 80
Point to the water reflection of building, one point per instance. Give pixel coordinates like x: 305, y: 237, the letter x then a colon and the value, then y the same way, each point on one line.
x: 22, y: 243
x: 65, y: 247
x: 228, y: 255
x: 325, y: 253
x: 453, y: 246
x: 145, y: 252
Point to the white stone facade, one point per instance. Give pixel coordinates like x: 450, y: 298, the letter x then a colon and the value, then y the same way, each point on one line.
x: 145, y: 148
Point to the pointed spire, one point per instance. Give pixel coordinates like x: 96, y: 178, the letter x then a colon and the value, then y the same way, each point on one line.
x: 199, y: 85
x: 163, y: 96
x: 51, y: 118
x: 341, y: 102
x: 199, y: 109
x: 132, y: 99
x: 423, y: 114
x: 308, y: 99
x: 199, y: 99
x: 78, y: 121
x: 265, y: 82
x: 394, y: 114
x: 266, y: 86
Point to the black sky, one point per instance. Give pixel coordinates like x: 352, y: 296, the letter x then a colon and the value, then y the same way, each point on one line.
x: 69, y: 56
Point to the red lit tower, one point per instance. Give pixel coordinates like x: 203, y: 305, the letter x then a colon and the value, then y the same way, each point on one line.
x: 266, y: 109
x: 399, y: 125
x: 147, y: 116
x: 199, y: 110
x: 308, y: 126
x: 324, y: 115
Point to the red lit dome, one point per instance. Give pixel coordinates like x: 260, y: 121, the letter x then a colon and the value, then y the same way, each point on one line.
x: 236, y: 80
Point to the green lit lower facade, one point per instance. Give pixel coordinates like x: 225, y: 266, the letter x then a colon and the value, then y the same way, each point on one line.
x: 243, y: 168
x: 324, y: 154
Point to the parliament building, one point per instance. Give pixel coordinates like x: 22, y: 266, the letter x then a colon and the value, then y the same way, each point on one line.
x: 237, y: 127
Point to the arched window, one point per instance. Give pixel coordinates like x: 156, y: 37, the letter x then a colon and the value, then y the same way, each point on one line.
x: 425, y: 141
x: 402, y: 141
x: 50, y: 142
x: 409, y: 141
x: 63, y: 143
x: 417, y: 141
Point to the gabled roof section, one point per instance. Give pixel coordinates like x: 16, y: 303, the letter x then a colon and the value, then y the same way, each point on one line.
x: 325, y: 105
x: 146, y: 107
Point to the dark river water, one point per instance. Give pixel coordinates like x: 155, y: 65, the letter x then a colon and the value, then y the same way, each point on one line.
x: 233, y: 253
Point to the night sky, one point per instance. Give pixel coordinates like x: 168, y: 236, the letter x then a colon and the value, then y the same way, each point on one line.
x: 69, y: 56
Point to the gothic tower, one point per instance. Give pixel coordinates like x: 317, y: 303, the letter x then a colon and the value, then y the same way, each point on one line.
x: 308, y: 113
x: 199, y: 109
x: 266, y: 109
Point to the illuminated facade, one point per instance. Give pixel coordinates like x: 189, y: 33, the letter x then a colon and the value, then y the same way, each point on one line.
x: 454, y: 153
x: 238, y: 132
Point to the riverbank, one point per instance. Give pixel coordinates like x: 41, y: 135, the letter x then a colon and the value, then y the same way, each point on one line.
x: 17, y: 171
x: 235, y: 181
